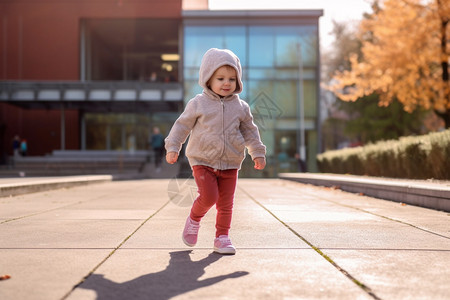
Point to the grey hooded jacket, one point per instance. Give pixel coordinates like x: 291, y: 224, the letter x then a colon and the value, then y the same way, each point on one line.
x: 220, y: 128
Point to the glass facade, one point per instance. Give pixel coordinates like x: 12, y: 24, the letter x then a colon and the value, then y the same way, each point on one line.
x: 270, y: 60
x: 123, y: 131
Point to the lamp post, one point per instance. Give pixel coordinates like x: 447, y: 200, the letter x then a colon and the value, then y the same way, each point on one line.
x: 300, y: 109
x: 63, y: 127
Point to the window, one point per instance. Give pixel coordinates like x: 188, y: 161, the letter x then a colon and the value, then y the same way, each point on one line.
x: 129, y: 49
x: 261, y: 50
x: 198, y: 39
x: 122, y: 131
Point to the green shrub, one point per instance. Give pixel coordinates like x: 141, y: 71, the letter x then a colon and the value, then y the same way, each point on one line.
x: 419, y: 157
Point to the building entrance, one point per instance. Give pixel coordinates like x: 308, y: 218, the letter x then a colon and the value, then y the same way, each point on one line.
x: 122, y: 131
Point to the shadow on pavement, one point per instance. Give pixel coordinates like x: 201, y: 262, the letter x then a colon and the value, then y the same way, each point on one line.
x: 180, y: 276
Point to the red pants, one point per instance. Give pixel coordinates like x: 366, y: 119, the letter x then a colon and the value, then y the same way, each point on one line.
x: 215, y: 187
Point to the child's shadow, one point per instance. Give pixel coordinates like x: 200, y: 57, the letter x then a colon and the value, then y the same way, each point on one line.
x: 180, y: 276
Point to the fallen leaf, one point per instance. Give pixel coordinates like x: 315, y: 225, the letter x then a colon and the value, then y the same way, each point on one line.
x: 4, y: 277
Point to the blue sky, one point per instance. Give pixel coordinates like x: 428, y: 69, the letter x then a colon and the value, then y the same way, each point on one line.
x: 339, y: 10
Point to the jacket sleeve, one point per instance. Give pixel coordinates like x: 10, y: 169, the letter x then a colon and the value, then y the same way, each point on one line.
x: 251, y: 136
x: 181, y: 128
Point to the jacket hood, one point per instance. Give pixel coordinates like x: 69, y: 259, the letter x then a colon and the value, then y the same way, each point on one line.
x: 212, y: 60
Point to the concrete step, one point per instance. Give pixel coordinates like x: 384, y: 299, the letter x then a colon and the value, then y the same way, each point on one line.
x: 433, y: 194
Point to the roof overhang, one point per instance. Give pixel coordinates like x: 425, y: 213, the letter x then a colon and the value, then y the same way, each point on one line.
x: 266, y: 17
x: 93, y: 95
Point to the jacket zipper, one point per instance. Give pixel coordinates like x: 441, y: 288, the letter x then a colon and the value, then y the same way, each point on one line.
x: 223, y: 132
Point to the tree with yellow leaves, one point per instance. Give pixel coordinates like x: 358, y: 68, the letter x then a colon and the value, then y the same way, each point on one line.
x: 405, y: 56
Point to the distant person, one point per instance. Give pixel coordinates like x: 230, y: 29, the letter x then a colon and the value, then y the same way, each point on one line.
x: 220, y: 126
x: 16, y: 146
x: 301, y: 163
x: 157, y: 144
x: 23, y: 147
x: 153, y: 77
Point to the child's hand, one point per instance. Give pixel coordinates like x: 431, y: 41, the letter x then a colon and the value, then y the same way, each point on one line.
x: 260, y: 163
x: 171, y: 157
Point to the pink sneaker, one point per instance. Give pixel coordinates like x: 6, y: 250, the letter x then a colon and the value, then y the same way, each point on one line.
x: 190, y: 232
x: 223, y: 245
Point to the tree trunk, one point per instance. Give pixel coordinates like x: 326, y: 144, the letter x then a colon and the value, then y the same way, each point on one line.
x: 444, y: 61
x: 445, y: 116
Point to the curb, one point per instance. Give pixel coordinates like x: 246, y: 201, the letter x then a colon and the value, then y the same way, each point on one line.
x: 13, y: 189
x: 429, y: 194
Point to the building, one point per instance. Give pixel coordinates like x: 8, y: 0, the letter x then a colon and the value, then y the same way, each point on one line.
x: 99, y: 74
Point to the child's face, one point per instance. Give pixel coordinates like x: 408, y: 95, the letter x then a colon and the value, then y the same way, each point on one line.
x: 223, y: 81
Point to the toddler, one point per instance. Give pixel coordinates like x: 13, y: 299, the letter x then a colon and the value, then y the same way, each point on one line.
x: 220, y: 126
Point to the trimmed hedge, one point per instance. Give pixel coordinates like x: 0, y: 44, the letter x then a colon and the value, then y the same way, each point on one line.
x: 414, y: 157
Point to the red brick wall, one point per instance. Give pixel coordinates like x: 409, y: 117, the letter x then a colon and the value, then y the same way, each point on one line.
x: 41, y: 129
x: 42, y: 36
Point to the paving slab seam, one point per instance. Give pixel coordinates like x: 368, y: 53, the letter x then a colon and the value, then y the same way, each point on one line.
x: 53, y: 209
x: 198, y: 248
x: 386, y: 249
x: 240, y: 248
x: 364, y: 287
x: 114, y: 250
x: 40, y: 212
x: 56, y: 248
x: 385, y: 217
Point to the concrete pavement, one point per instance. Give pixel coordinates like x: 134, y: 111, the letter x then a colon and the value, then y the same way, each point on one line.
x: 121, y: 240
